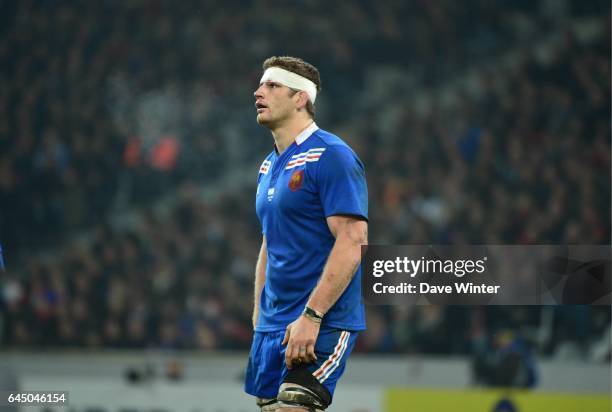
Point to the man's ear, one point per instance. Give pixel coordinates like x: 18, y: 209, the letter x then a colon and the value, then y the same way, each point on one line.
x: 302, y: 101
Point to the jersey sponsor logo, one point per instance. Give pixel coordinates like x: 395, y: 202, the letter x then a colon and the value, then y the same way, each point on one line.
x: 300, y: 159
x: 265, y: 166
x: 295, y: 182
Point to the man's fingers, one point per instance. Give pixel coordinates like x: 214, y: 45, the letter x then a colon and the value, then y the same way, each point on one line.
x: 310, y: 353
x: 303, y: 354
x: 289, y: 355
x: 286, y: 338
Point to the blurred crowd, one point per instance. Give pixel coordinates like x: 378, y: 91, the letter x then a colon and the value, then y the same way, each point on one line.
x: 98, y: 100
x: 527, y: 162
x: 111, y: 106
x: 180, y: 282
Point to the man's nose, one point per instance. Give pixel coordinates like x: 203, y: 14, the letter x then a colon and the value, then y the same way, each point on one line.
x: 258, y: 93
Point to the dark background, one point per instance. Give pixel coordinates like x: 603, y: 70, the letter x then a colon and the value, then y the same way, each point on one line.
x: 129, y: 154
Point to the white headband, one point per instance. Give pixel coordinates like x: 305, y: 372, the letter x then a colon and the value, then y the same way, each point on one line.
x: 290, y: 79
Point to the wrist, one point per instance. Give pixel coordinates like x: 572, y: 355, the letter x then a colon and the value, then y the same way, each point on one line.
x: 313, y: 315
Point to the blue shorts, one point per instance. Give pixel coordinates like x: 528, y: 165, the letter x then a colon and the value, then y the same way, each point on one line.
x: 267, y: 369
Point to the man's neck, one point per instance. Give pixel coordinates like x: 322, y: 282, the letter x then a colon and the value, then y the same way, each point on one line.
x: 286, y: 134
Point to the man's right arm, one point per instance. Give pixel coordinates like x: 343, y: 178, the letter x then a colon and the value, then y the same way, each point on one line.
x: 260, y: 278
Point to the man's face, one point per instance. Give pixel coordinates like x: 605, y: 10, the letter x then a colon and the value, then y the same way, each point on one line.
x: 274, y: 102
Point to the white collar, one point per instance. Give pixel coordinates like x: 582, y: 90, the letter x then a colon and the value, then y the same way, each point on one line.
x: 305, y: 134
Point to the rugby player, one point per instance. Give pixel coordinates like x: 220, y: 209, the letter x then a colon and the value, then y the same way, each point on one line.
x: 312, y: 204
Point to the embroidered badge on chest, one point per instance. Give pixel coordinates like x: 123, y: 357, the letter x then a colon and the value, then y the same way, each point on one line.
x: 296, y: 179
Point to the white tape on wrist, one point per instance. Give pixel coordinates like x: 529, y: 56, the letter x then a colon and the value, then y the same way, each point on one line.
x: 290, y: 79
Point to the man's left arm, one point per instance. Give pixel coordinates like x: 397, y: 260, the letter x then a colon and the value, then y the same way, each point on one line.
x: 344, y: 259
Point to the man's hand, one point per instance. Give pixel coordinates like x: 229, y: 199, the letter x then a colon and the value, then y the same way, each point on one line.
x: 300, y: 337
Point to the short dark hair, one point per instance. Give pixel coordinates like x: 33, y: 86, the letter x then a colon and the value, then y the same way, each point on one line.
x: 297, y: 66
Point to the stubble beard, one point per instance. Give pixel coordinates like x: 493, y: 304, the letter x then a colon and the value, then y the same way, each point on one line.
x: 270, y: 122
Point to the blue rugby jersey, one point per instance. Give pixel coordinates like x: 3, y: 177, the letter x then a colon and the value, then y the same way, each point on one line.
x: 317, y: 176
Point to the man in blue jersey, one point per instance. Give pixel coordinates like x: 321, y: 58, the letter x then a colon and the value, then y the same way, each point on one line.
x: 312, y: 203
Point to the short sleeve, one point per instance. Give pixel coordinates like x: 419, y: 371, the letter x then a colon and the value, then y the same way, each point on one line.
x: 342, y: 184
